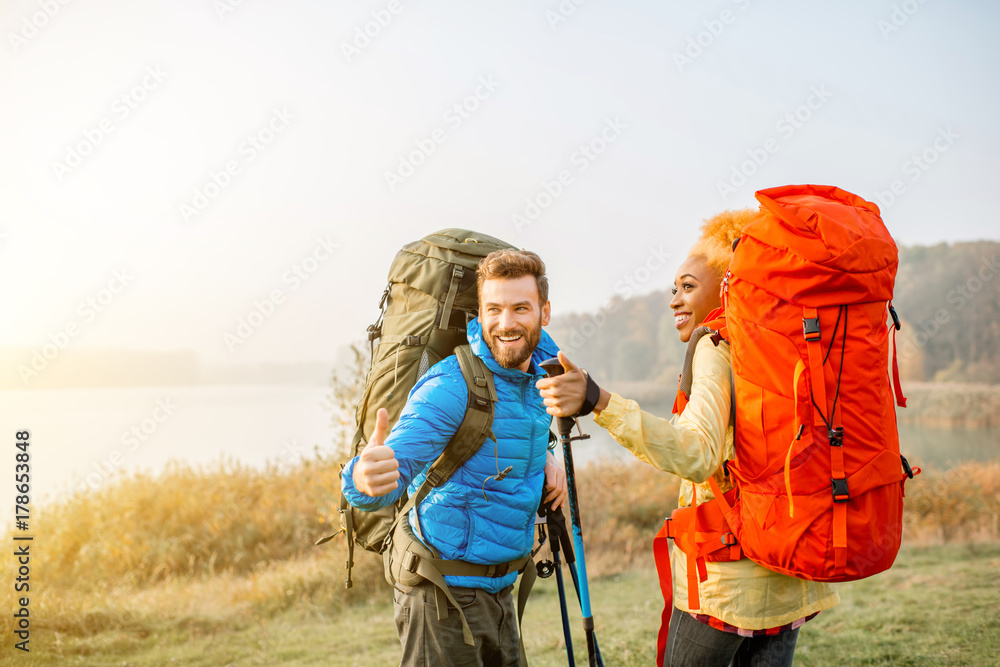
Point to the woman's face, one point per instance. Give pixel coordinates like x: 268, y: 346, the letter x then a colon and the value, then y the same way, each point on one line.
x: 696, y: 294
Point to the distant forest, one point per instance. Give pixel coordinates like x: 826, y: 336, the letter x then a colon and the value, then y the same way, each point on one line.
x: 947, y: 296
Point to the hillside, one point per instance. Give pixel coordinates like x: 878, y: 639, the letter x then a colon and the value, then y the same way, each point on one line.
x: 948, y: 297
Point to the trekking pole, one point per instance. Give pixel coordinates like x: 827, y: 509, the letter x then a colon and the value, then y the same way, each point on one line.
x: 557, y: 528
x: 552, y: 368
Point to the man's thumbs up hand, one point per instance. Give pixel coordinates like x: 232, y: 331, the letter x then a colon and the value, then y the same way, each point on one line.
x: 377, y: 470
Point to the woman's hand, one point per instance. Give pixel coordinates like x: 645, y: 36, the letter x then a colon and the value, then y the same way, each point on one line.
x: 564, y: 394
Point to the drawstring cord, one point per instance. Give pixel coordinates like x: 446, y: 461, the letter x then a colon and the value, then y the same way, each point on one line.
x: 500, y: 473
x: 799, y: 368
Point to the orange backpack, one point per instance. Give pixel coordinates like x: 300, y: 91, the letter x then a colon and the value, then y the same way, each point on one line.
x: 817, y: 470
x: 817, y: 450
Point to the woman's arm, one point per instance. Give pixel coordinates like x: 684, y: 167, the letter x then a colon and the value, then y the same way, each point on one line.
x: 693, y: 445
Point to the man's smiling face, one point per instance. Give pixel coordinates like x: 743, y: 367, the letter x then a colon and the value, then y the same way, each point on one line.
x: 512, y: 319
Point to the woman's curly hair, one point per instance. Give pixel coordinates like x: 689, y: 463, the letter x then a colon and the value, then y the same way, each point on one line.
x: 717, y: 236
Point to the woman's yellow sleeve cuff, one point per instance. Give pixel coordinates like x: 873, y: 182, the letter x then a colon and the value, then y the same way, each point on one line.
x: 613, y: 413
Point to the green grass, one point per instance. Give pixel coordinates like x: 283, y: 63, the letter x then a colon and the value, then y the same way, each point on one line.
x: 939, y: 605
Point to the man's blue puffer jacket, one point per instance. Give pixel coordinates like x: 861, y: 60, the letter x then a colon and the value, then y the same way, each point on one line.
x: 456, y: 519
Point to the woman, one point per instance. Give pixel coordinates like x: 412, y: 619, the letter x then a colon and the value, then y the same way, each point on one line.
x: 743, y: 614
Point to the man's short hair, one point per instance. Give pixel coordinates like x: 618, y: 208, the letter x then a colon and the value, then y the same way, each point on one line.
x: 509, y: 264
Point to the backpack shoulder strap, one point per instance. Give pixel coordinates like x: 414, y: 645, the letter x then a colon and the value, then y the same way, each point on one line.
x: 687, y: 371
x: 477, y: 424
x: 475, y: 428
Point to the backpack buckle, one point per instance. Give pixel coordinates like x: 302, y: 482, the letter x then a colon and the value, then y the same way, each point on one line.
x: 906, y: 467
x: 728, y: 540
x: 497, y: 570
x: 895, y: 317
x: 840, y: 492
x: 810, y: 328
x: 410, y: 561
x: 836, y: 436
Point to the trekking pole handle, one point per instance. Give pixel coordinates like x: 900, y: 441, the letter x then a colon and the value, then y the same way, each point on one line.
x: 554, y: 368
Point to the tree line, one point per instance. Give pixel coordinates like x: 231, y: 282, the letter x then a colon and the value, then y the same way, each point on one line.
x: 947, y: 297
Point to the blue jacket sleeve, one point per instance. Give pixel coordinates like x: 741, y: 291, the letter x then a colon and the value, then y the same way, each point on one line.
x: 429, y: 419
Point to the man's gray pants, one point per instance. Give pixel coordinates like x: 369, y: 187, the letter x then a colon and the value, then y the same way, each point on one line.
x: 428, y: 642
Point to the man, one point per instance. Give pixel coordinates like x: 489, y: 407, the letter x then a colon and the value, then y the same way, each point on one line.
x: 484, y: 514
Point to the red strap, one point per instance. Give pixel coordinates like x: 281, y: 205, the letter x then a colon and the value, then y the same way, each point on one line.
x: 661, y: 554
x: 817, y: 378
x: 900, y: 399
x: 720, y: 497
x: 701, y: 539
x: 680, y: 402
x: 839, y: 509
x: 692, y: 560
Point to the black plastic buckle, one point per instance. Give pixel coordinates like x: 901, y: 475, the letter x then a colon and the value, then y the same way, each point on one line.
x: 498, y: 570
x: 728, y: 540
x: 840, y: 492
x: 810, y: 328
x: 836, y: 436
x: 410, y: 561
x: 906, y: 467
x: 895, y: 317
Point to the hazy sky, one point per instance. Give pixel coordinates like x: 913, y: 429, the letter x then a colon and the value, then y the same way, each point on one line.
x: 168, y: 167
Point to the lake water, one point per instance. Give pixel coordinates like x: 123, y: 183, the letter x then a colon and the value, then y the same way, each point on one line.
x: 81, y: 438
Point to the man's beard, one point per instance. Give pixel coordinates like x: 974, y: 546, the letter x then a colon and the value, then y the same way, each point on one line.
x: 513, y: 357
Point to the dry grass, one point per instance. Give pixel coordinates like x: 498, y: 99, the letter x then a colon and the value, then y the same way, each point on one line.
x: 959, y: 505
x: 231, y: 546
x: 622, y: 505
x: 200, y: 547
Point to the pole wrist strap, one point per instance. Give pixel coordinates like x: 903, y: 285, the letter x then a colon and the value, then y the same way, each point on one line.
x: 593, y: 395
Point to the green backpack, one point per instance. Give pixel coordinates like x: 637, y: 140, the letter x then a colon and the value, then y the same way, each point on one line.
x: 430, y: 298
